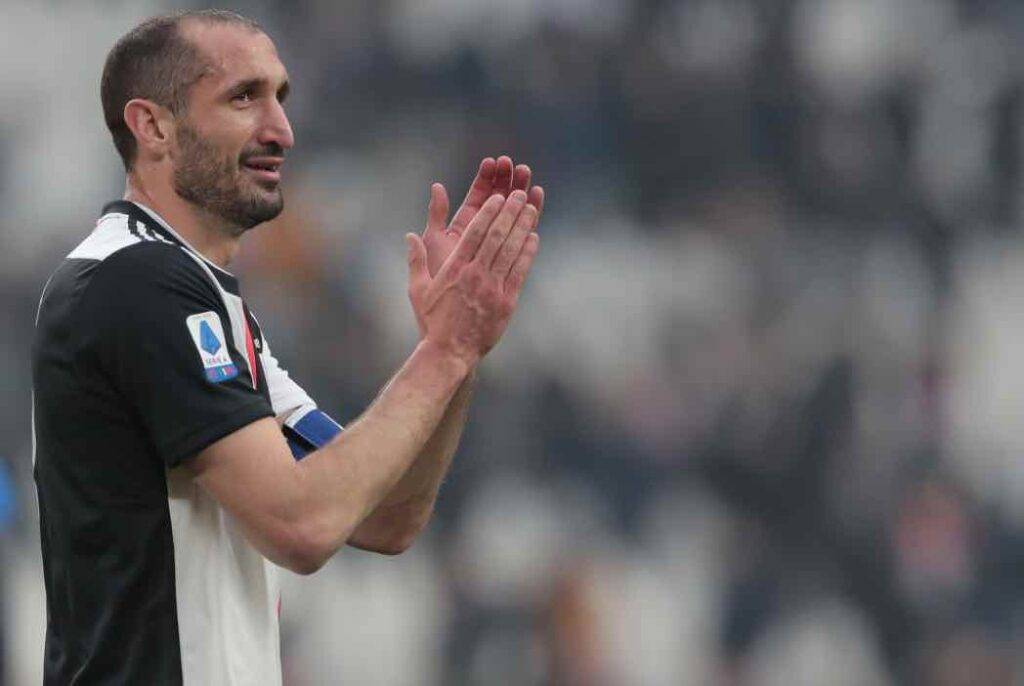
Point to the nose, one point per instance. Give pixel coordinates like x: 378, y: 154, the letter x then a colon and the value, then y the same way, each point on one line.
x: 276, y: 128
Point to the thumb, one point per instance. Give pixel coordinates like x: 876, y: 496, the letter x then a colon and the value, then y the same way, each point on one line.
x: 417, y: 259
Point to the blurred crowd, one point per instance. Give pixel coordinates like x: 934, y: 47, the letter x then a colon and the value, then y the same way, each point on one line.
x: 757, y: 419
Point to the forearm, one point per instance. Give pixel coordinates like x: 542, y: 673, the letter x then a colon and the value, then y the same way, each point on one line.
x: 299, y: 513
x: 423, y: 479
x: 347, y: 479
x: 405, y: 510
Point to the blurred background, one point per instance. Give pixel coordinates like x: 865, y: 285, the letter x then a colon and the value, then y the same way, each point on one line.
x: 759, y: 418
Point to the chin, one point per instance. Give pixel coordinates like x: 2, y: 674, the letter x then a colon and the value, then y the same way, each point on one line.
x: 263, y: 210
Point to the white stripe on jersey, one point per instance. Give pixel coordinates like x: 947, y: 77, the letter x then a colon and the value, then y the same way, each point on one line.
x: 110, y: 235
x: 285, y: 395
x: 227, y: 593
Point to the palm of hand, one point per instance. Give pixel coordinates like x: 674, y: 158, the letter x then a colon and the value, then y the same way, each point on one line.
x: 440, y: 242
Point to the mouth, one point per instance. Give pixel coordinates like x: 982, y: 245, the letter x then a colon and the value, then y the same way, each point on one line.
x: 264, y: 168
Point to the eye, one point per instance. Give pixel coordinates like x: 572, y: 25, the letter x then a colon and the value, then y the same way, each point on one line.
x: 243, y: 97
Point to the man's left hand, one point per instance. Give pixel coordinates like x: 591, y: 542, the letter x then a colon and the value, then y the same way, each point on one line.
x: 493, y: 176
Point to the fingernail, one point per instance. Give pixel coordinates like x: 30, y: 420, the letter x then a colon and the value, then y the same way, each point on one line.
x: 519, y: 195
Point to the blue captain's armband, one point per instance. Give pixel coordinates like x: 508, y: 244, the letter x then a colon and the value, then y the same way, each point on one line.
x: 308, y: 429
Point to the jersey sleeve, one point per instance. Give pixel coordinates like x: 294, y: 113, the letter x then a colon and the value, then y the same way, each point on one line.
x: 161, y: 335
x: 306, y: 428
x: 286, y: 396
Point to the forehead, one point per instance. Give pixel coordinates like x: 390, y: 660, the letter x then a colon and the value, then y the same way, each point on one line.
x: 233, y: 53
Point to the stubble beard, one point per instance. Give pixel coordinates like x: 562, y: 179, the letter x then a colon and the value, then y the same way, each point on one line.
x: 213, y: 182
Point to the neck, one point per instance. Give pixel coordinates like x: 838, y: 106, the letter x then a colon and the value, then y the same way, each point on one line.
x: 204, y: 232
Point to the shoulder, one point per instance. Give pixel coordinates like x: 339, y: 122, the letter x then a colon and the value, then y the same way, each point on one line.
x: 151, y: 263
x: 150, y: 270
x: 140, y: 297
x: 120, y: 264
x: 115, y: 231
x: 142, y: 287
x: 128, y: 249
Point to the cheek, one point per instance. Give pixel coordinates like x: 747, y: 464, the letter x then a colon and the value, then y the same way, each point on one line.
x: 230, y: 139
x: 231, y: 158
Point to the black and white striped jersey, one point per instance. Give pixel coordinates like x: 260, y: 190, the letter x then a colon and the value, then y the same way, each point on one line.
x: 144, y: 354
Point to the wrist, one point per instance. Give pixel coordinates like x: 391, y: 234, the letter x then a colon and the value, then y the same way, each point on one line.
x: 461, y: 366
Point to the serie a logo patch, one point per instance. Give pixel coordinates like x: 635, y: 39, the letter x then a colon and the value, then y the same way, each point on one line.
x: 208, y: 335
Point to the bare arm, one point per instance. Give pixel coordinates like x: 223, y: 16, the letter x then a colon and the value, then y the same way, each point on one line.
x: 299, y: 513
x: 405, y: 511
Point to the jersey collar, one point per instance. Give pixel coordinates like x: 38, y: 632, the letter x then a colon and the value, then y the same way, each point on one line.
x: 147, y: 216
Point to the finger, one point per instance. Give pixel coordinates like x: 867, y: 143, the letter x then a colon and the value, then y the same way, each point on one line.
x: 481, y: 189
x: 417, y: 259
x: 500, y: 228
x: 513, y: 245
x: 477, y: 229
x: 503, y: 175
x: 437, y: 210
x: 521, y: 177
x: 517, y: 277
x: 536, y: 198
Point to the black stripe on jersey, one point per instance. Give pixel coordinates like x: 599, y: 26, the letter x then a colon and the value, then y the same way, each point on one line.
x: 110, y: 617
x: 133, y: 227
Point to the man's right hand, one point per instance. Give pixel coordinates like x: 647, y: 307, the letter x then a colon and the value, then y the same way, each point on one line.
x: 464, y: 309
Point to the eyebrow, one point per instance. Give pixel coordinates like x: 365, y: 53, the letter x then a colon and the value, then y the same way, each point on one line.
x: 258, y: 82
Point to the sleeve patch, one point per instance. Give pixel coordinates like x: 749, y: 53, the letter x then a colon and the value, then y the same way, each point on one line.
x: 208, y: 335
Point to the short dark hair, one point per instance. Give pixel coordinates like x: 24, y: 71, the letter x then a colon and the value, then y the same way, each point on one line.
x: 156, y: 62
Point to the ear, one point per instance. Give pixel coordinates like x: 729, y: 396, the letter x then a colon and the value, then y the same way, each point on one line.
x: 152, y: 125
